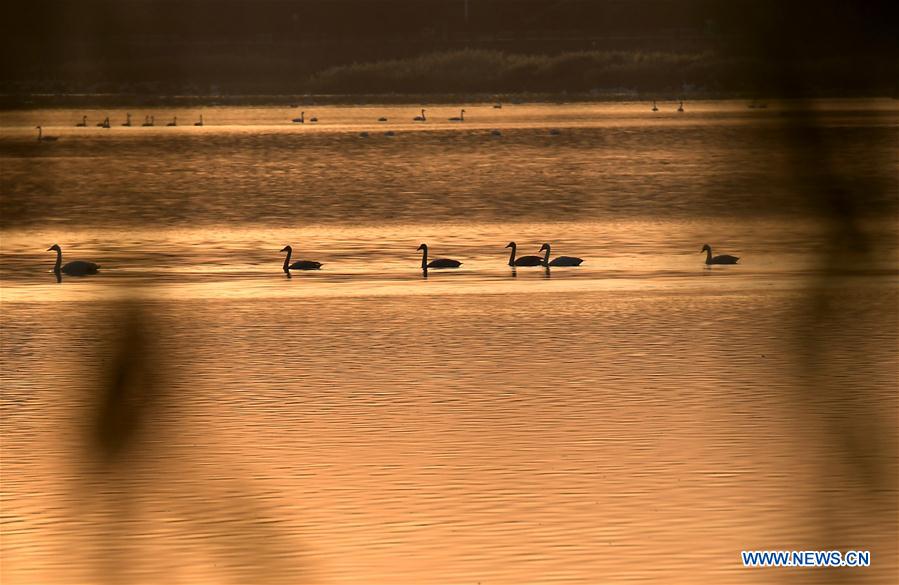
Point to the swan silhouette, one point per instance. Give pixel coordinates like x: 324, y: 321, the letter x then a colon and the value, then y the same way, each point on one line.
x: 82, y: 123
x: 382, y: 119
x: 104, y: 123
x: 74, y: 268
x: 722, y: 259
x: 524, y: 260
x: 149, y: 121
x: 174, y: 122
x: 200, y: 122
x: 42, y: 138
x: 561, y: 260
x: 127, y: 121
x: 680, y: 108
x: 459, y: 118
x: 301, y: 119
x: 655, y: 108
x: 299, y: 264
x: 439, y: 263
x: 313, y: 119
x: 421, y: 118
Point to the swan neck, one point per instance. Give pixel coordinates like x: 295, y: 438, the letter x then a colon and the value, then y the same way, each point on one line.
x: 287, y: 262
x: 512, y: 257
x: 424, y: 259
x: 58, y: 261
x: 546, y: 257
x: 708, y: 255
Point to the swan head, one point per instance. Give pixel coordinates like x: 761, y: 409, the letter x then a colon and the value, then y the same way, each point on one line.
x: 423, y: 247
x: 511, y: 245
x: 286, y: 249
x: 705, y: 247
x: 54, y: 247
x: 544, y: 247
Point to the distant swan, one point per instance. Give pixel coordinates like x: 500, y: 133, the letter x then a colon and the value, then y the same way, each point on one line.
x: 299, y: 264
x: 420, y: 118
x: 722, y: 259
x: 524, y: 260
x: 382, y: 119
x: 655, y: 108
x: 200, y: 123
x: 82, y: 123
x: 459, y: 118
x: 680, y: 108
x: 75, y: 268
x: 313, y: 119
x: 174, y: 122
x: 127, y: 121
x: 439, y: 263
x: 149, y: 121
x: 560, y: 260
x: 104, y: 123
x: 301, y: 119
x: 42, y: 138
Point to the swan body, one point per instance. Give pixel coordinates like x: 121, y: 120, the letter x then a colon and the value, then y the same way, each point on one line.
x: 42, y: 138
x: 299, y: 264
x: 722, y: 259
x: 420, y: 118
x: 313, y: 119
x: 82, y: 123
x: 560, y: 260
x: 439, y: 263
x: 200, y: 122
x: 523, y: 260
x: 301, y: 119
x: 382, y: 119
x: 459, y: 118
x: 74, y: 268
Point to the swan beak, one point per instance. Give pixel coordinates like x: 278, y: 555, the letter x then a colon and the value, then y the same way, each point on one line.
x: 284, y: 249
x: 422, y: 247
x: 50, y: 248
x: 509, y: 245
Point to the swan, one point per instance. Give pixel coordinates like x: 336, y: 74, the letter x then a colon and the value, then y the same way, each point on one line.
x: 459, y: 118
x: 439, y: 263
x: 524, y: 260
x: 420, y: 118
x: 200, y: 123
x: 174, y: 122
x: 127, y: 121
x: 655, y: 108
x: 680, y: 108
x: 42, y: 138
x: 560, y: 260
x: 74, y: 268
x: 82, y: 123
x: 299, y: 264
x: 497, y: 106
x: 149, y: 121
x: 722, y: 259
x: 382, y: 119
x: 301, y: 119
x: 313, y: 119
x: 103, y: 124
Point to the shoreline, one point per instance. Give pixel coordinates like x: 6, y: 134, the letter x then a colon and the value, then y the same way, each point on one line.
x: 65, y: 100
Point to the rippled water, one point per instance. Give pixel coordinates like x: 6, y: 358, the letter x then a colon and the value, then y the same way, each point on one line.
x: 641, y: 418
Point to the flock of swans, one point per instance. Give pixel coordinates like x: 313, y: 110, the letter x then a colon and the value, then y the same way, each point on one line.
x: 84, y: 268
x: 150, y: 120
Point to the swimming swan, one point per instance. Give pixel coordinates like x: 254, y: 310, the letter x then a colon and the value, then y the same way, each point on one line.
x: 722, y: 259
x: 561, y: 260
x: 74, y: 268
x: 459, y: 118
x: 200, y: 122
x: 127, y: 121
x: 524, y: 260
x: 174, y: 122
x: 439, y: 263
x: 420, y: 118
x: 299, y: 264
x: 42, y: 138
x: 82, y: 123
x: 301, y: 119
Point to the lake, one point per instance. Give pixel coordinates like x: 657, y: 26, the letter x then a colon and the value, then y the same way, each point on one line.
x: 191, y: 414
